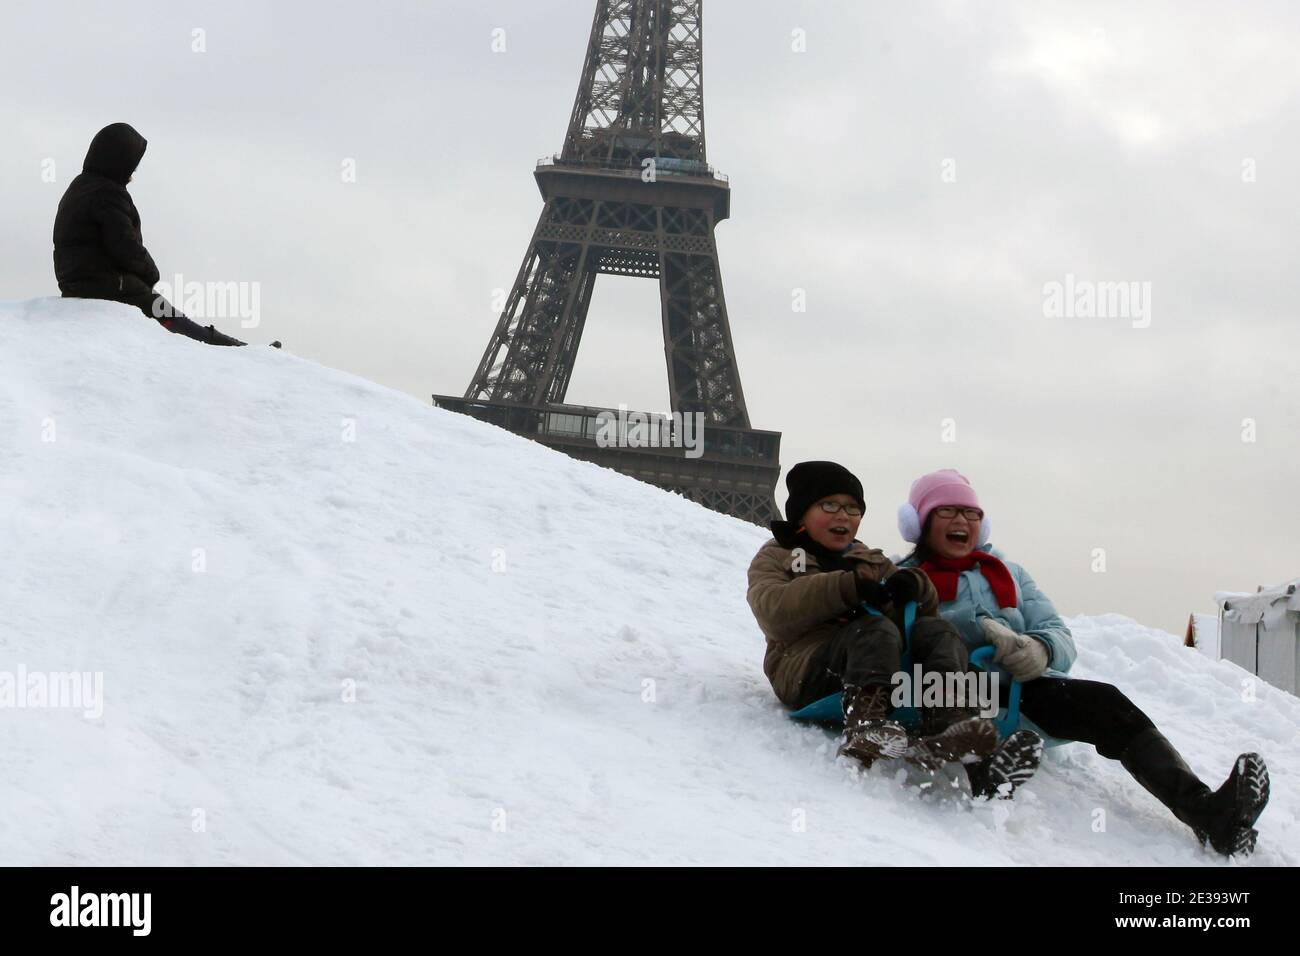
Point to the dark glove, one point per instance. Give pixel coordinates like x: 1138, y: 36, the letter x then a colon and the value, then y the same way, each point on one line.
x: 872, y: 592
x: 902, y: 587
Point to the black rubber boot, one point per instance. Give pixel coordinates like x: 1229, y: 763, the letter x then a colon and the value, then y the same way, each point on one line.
x: 1224, y: 818
x: 213, y: 337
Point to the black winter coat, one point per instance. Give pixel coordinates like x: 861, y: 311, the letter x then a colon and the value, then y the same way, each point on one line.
x: 98, y: 248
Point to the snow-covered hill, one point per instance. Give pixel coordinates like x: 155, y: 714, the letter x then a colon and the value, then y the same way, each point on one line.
x: 338, y: 626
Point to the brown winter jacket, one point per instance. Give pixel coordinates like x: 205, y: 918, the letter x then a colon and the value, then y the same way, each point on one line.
x: 799, y: 604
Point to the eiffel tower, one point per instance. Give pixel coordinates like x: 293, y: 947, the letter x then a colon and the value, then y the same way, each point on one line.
x: 631, y: 194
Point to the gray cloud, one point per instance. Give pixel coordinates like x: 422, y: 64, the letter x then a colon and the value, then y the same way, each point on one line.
x: 1104, y: 141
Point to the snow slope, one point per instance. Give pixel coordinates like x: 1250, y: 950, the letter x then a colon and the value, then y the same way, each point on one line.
x: 200, y: 531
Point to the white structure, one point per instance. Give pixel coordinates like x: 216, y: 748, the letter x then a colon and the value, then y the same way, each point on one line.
x: 1261, y: 632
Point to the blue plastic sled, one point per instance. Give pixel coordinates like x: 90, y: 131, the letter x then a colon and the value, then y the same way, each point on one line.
x: 830, y: 709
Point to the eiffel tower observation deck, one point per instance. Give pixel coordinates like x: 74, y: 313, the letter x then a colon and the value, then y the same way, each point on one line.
x: 631, y: 193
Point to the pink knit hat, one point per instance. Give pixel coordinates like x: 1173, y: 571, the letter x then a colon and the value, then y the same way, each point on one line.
x: 944, y: 487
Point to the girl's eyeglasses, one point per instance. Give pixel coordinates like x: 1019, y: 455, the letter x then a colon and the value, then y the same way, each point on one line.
x: 950, y: 511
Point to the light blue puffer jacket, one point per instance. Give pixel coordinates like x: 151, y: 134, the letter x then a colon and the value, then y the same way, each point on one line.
x: 1033, y: 613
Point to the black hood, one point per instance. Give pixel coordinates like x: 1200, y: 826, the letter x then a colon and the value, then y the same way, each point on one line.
x: 115, y: 152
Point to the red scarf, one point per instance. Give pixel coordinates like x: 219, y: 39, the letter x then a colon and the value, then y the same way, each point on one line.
x: 944, y: 572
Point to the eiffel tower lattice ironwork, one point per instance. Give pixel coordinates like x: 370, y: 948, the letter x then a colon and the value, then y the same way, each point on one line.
x: 631, y: 193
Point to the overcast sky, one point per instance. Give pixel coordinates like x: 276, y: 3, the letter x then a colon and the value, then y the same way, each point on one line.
x: 922, y: 171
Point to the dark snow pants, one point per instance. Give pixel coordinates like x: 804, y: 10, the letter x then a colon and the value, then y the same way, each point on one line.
x: 174, y: 320
x: 155, y: 307
x: 869, y: 650
x: 1084, y: 710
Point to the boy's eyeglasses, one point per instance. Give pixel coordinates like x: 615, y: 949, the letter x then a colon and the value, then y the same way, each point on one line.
x: 831, y: 507
x: 950, y: 511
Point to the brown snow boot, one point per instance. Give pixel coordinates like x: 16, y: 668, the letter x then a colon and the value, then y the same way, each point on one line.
x: 868, y: 732
x: 952, y: 733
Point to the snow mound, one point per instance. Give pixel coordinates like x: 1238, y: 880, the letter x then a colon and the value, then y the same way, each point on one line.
x: 336, y: 625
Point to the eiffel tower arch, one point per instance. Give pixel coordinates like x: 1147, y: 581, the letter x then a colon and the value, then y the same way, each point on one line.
x: 631, y: 193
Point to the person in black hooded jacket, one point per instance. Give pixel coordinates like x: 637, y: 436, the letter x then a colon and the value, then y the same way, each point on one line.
x: 99, y: 251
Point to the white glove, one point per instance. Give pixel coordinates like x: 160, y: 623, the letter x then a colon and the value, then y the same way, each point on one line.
x: 1025, y: 657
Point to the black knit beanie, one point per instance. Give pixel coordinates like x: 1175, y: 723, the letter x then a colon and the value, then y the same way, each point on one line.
x: 810, y: 481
